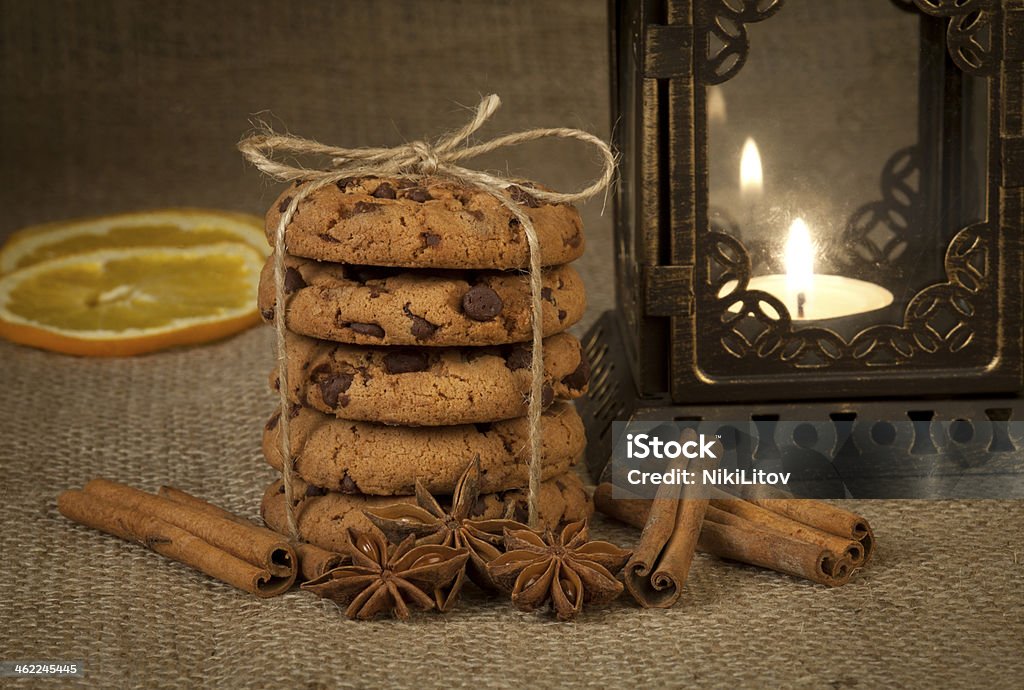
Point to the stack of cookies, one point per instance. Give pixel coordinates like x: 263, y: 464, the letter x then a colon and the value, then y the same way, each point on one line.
x: 409, y: 322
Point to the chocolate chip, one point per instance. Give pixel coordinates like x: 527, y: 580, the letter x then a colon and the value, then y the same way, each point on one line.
x: 272, y: 422
x: 348, y: 485
x: 280, y: 489
x: 562, y: 313
x: 267, y: 314
x: 430, y: 239
x: 520, y: 357
x: 345, y: 183
x: 547, y: 295
x: 477, y: 213
x: 513, y: 222
x: 365, y: 207
x: 521, y: 512
x: 483, y: 427
x: 578, y: 379
x: 417, y: 194
x: 299, y: 183
x: 384, y: 191
x: 521, y: 197
x: 327, y: 237
x: 283, y: 206
x: 292, y: 281
x: 332, y: 387
x: 312, y: 491
x: 370, y: 329
x: 547, y: 395
x: 405, y: 361
x: 421, y: 328
x: 481, y: 303
x: 294, y: 410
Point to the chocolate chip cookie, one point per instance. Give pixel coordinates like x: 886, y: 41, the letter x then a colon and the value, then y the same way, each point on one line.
x: 369, y: 305
x: 431, y: 223
x: 324, y: 516
x: 362, y: 457
x: 420, y: 386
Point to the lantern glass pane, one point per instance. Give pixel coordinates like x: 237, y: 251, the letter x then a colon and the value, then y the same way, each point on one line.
x: 847, y: 145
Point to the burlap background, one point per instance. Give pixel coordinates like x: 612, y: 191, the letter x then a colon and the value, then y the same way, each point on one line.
x: 116, y: 105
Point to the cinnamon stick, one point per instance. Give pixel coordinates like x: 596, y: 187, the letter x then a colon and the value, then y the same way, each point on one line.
x: 818, y: 514
x: 243, y: 555
x: 660, y: 564
x: 313, y: 560
x: 839, y: 548
x: 728, y: 535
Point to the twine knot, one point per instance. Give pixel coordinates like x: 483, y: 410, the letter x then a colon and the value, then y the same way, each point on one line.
x: 426, y: 157
x: 417, y: 159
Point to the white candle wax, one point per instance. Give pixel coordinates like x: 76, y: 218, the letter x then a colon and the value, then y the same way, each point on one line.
x: 826, y: 296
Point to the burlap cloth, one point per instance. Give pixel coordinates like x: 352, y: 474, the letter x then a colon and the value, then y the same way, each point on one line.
x: 943, y: 603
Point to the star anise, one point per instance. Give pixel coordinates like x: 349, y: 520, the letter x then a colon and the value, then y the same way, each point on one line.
x: 384, y: 577
x: 431, y: 524
x: 568, y: 570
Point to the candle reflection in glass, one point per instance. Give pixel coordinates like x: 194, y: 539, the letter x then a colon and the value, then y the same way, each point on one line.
x: 751, y: 184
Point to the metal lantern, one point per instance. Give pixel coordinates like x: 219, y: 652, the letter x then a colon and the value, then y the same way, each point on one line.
x: 819, y: 201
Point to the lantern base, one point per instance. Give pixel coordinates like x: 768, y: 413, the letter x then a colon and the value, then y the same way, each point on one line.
x: 954, y: 447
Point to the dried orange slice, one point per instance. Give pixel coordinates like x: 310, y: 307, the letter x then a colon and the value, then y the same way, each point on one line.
x: 117, y: 302
x: 172, y: 227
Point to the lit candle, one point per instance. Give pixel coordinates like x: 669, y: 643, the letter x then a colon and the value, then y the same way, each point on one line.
x: 799, y: 265
x: 811, y: 296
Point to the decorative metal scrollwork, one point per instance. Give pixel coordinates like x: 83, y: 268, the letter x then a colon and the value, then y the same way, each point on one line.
x: 726, y: 45
x: 729, y: 266
x: 972, y: 34
x: 877, y: 231
x: 947, y: 8
x: 942, y: 319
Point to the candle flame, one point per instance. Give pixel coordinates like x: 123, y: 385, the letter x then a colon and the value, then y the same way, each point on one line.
x: 751, y: 176
x: 799, y: 257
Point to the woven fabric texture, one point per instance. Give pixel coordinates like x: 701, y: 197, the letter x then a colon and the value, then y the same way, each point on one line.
x: 943, y: 603
x: 120, y: 104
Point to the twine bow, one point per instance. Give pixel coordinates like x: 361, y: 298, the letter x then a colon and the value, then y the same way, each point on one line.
x: 416, y: 159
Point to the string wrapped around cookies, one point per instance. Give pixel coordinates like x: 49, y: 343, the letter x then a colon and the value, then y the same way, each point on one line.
x: 265, y: 149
